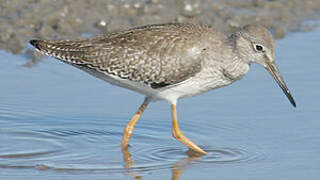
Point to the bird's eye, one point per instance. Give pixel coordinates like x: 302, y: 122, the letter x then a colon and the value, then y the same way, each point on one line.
x: 259, y: 47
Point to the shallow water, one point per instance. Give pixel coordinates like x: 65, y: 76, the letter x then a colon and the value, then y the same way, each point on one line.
x: 57, y: 122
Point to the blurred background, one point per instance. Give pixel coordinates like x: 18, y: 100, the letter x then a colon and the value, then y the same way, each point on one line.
x: 57, y: 122
x: 58, y: 19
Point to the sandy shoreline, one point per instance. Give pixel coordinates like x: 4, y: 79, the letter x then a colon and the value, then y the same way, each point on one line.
x: 21, y: 21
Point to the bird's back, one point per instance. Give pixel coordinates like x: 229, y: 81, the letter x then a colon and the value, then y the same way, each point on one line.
x: 155, y: 55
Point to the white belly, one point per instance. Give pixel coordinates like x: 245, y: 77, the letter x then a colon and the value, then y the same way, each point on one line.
x: 200, y: 83
x: 193, y: 86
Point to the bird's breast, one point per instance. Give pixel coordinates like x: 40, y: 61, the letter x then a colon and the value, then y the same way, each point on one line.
x: 202, y: 82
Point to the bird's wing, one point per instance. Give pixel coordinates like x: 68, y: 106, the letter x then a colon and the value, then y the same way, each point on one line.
x: 158, y: 55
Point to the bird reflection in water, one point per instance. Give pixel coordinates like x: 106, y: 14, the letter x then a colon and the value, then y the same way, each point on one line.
x: 176, y: 168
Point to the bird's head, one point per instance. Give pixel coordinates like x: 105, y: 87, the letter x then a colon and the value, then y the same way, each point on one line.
x: 255, y: 44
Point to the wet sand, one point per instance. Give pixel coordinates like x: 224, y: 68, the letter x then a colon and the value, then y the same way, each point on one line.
x: 21, y: 21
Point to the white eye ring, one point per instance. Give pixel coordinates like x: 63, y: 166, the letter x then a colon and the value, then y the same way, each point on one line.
x: 259, y: 47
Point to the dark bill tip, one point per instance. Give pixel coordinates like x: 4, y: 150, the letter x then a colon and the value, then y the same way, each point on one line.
x: 289, y: 96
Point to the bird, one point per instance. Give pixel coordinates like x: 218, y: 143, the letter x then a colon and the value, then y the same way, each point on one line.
x: 169, y: 61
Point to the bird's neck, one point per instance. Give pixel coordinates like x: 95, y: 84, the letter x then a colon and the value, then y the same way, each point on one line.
x: 239, y: 47
x: 235, y: 65
x: 236, y: 69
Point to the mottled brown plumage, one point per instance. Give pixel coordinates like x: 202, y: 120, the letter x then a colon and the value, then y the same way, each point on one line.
x: 155, y: 55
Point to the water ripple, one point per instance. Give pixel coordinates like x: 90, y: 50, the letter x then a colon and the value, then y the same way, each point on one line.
x: 95, y: 148
x: 165, y: 155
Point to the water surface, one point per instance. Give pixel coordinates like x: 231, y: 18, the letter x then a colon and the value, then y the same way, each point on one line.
x: 58, y: 122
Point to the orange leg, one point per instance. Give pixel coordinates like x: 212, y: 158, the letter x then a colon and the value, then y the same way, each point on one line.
x: 176, y: 132
x: 130, y: 126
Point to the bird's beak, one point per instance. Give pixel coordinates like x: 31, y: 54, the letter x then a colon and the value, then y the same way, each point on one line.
x: 273, y: 70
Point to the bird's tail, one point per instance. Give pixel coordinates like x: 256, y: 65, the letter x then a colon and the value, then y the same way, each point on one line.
x: 65, y: 50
